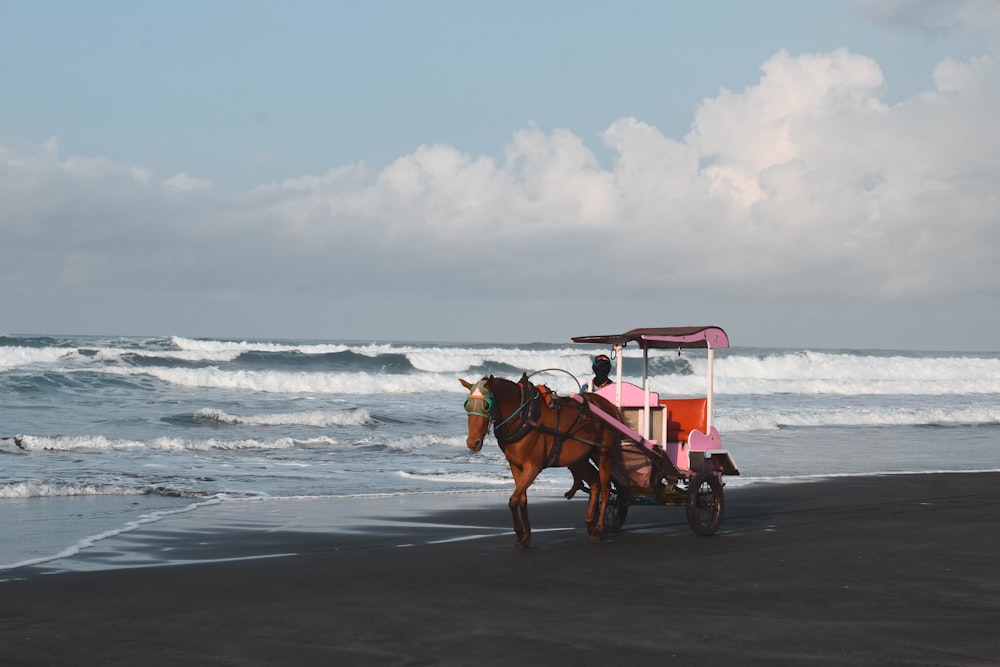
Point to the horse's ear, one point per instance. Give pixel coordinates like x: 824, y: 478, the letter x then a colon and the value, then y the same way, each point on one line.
x: 467, y: 385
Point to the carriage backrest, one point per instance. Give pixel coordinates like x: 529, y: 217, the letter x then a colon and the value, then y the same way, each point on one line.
x: 632, y: 395
x: 685, y: 415
x: 633, y: 407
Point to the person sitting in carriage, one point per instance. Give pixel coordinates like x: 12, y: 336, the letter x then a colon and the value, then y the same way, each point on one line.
x: 602, y: 368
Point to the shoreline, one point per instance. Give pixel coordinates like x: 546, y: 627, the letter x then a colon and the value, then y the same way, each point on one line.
x: 852, y: 570
x: 164, y: 535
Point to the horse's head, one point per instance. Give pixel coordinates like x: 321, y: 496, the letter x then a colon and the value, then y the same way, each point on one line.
x: 480, y: 406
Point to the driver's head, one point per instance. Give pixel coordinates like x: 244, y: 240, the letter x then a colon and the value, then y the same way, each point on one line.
x: 602, y: 365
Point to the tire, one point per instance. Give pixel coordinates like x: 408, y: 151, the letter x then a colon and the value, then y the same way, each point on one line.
x: 705, y: 503
x: 616, y: 510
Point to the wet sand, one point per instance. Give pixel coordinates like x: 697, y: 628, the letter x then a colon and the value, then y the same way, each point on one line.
x: 855, y: 571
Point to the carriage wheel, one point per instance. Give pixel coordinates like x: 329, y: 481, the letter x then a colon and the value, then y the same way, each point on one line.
x: 704, y: 503
x: 616, y: 510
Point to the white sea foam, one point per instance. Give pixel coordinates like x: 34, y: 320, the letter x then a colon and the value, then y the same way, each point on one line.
x: 736, y: 372
x: 34, y: 489
x: 459, y: 359
x: 99, y: 442
x: 416, y: 442
x: 747, y: 419
x: 852, y: 374
x: 220, y: 355
x: 211, y: 347
x: 13, y: 356
x: 288, y: 382
x: 443, y: 359
x: 318, y: 418
x: 321, y: 440
x: 445, y: 477
x: 797, y: 373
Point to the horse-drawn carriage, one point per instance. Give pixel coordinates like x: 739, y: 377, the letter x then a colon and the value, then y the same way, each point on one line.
x: 649, y: 449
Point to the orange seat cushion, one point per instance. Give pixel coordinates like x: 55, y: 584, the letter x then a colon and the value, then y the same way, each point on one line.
x: 685, y: 415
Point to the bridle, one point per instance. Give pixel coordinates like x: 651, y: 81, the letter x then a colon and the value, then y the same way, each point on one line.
x: 480, y: 402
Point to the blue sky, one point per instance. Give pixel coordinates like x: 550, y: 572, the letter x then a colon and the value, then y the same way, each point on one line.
x: 811, y: 174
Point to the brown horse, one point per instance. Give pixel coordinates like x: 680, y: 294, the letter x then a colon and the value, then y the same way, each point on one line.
x: 536, y: 433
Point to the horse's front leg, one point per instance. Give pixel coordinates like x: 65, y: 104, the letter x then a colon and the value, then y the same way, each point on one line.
x: 518, y: 503
x: 515, y: 504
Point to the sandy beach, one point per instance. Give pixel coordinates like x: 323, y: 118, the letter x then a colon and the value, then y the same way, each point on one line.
x: 851, y: 571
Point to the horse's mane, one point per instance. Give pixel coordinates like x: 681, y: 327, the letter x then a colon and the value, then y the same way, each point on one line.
x: 505, y: 385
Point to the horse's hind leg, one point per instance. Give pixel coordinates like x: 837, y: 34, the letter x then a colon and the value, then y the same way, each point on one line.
x: 582, y: 472
x: 604, y: 462
x: 592, y: 506
x: 577, y: 486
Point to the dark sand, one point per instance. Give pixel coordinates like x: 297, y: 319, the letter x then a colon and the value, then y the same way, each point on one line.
x: 862, y: 571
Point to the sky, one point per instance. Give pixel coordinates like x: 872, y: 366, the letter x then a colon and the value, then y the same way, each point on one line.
x: 815, y: 175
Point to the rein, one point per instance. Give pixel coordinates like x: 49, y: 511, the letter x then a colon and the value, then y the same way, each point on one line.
x: 512, y: 415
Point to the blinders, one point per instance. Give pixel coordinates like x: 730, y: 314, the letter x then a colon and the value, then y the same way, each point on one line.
x: 480, y: 401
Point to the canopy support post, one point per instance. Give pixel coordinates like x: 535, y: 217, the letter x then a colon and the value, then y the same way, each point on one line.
x: 710, y: 407
x: 618, y: 380
x: 645, y: 389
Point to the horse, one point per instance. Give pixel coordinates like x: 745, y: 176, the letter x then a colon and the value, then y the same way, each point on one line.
x: 536, y: 433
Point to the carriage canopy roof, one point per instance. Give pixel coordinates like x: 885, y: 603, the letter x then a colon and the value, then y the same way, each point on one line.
x: 664, y: 338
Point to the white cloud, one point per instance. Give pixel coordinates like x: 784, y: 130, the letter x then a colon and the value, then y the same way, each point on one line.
x: 952, y: 76
x: 935, y: 17
x: 181, y: 181
x: 805, y: 183
x: 766, y: 125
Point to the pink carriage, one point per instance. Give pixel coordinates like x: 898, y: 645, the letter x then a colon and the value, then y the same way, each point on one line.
x: 671, y: 451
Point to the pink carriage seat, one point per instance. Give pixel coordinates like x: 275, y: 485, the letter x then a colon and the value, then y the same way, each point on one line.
x: 685, y: 415
x: 632, y: 395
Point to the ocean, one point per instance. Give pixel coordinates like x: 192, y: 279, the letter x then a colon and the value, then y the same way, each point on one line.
x: 102, y: 435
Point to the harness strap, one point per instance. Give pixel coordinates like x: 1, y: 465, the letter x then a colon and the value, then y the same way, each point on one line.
x: 557, y: 441
x: 560, y: 436
x: 570, y: 436
x: 529, y: 411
